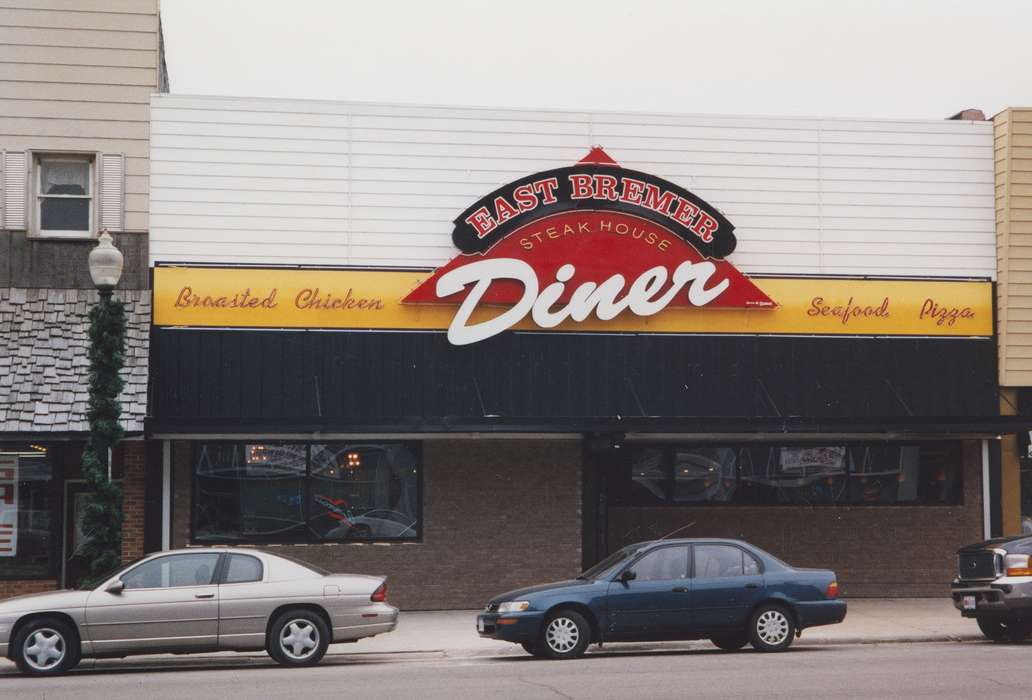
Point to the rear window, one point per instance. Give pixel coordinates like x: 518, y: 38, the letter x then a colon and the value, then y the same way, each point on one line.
x: 243, y: 568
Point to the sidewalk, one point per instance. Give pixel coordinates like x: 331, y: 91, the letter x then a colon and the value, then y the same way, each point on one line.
x: 452, y: 635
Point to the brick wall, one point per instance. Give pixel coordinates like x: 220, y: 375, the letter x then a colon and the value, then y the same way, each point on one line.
x: 13, y: 588
x: 497, y: 515
x: 133, y: 480
x: 875, y: 550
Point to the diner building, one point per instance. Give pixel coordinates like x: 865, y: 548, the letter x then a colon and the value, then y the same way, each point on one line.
x: 473, y: 349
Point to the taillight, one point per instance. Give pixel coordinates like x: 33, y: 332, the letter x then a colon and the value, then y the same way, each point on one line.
x: 1018, y: 565
x: 832, y: 589
x: 380, y: 594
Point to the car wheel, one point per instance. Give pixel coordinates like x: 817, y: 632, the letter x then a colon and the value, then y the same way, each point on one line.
x: 532, y: 648
x: 1002, y: 630
x: 730, y: 642
x: 298, y: 638
x: 566, y: 635
x: 46, y: 647
x: 771, y: 628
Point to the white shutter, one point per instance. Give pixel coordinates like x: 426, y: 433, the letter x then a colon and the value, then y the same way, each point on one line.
x: 112, y: 191
x: 15, y: 191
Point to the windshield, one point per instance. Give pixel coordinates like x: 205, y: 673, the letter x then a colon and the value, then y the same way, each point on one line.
x: 609, y: 562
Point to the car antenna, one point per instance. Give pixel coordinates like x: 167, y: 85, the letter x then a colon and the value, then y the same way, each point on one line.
x: 683, y: 527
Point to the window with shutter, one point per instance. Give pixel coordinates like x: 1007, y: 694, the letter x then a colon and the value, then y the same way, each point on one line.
x: 14, y: 190
x: 112, y: 191
x: 64, y: 195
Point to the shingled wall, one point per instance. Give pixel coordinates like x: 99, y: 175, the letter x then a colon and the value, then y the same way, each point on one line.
x: 44, y: 334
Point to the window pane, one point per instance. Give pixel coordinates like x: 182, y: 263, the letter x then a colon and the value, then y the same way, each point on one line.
x: 250, y: 492
x: 27, y: 542
x: 64, y: 177
x: 649, y: 477
x: 752, y: 567
x: 243, y: 568
x: 939, y: 470
x: 928, y: 473
x: 64, y: 214
x: 704, y: 474
x: 662, y: 565
x: 812, y: 475
x: 717, y: 560
x: 364, y: 491
x: 168, y: 572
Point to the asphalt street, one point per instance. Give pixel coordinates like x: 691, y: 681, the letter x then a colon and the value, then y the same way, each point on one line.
x: 939, y: 670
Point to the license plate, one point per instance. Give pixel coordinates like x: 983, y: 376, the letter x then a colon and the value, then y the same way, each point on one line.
x: 969, y: 602
x: 480, y: 625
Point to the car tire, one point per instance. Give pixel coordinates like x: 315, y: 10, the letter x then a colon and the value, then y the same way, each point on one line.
x: 771, y: 628
x: 730, y: 642
x: 1000, y: 629
x: 532, y: 648
x: 565, y: 635
x: 46, y: 647
x: 298, y: 638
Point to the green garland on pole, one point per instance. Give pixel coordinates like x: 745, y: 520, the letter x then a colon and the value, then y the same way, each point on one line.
x: 102, y: 516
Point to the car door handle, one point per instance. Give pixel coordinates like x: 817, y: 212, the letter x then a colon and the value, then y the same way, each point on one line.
x: 679, y: 589
x: 205, y: 595
x: 752, y: 585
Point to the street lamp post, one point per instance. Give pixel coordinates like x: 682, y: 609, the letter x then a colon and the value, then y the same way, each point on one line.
x: 102, y: 517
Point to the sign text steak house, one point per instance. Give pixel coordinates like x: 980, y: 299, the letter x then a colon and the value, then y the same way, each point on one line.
x: 592, y: 239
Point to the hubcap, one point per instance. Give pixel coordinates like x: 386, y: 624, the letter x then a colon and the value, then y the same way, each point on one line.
x: 44, y: 649
x: 562, y: 635
x: 299, y: 639
x: 773, y: 627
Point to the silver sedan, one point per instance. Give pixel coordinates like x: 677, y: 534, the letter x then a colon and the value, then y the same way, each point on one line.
x: 197, y: 600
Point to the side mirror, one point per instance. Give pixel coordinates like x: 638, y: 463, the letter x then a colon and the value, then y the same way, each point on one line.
x: 627, y: 575
x: 115, y: 587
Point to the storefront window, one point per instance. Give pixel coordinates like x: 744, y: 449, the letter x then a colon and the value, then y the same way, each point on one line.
x: 28, y: 545
x: 304, y: 492
x: 917, y: 474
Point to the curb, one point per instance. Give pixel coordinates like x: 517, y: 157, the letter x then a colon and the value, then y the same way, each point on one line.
x: 232, y: 660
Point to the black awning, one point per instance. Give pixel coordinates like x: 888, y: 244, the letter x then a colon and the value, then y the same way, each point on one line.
x: 288, y: 382
x: 944, y: 426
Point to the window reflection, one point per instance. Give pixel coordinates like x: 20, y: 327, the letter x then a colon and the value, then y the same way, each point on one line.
x: 870, y: 474
x: 363, y: 492
x: 304, y: 492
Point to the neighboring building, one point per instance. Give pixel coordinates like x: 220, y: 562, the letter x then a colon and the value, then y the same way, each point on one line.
x: 838, y: 406
x: 1013, y: 149
x: 74, y: 152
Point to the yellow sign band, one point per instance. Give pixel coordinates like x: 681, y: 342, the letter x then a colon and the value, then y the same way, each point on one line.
x: 371, y: 299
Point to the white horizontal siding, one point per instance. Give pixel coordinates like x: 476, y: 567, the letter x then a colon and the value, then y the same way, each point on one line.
x: 305, y: 182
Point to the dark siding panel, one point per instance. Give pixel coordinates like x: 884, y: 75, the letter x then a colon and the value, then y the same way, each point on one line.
x: 273, y: 376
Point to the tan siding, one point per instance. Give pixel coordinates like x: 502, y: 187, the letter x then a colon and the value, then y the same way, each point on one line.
x: 77, y: 75
x: 139, y: 7
x: 77, y: 55
x: 87, y: 75
x: 46, y: 36
x: 74, y: 19
x: 65, y: 109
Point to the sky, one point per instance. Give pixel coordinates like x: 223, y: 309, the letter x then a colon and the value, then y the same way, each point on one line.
x: 826, y: 58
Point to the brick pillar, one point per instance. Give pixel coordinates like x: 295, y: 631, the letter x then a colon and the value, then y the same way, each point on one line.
x: 133, y: 466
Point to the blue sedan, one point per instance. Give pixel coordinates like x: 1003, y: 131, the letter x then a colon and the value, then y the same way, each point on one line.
x: 727, y: 591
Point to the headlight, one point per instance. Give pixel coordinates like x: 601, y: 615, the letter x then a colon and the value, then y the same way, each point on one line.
x: 513, y: 606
